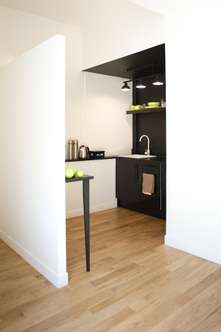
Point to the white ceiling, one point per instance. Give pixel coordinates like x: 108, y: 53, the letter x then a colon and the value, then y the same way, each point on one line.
x: 66, y: 11
x: 158, y: 6
x: 174, y: 6
x: 72, y: 11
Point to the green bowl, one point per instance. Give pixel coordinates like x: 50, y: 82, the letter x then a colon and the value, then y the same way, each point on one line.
x: 154, y: 104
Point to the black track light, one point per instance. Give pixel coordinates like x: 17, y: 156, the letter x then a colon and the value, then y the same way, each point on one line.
x: 125, y: 87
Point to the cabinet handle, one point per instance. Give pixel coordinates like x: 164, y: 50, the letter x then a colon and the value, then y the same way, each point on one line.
x: 136, y: 171
x: 160, y: 187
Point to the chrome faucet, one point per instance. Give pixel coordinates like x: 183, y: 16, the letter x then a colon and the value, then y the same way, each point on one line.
x: 147, y: 150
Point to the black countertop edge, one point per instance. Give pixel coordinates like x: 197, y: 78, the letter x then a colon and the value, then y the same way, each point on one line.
x: 82, y: 178
x: 158, y: 158
x: 163, y: 158
x: 73, y: 161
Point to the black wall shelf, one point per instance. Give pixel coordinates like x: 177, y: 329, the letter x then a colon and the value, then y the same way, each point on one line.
x: 148, y: 110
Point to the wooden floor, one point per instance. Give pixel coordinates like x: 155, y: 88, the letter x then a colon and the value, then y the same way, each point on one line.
x: 136, y: 283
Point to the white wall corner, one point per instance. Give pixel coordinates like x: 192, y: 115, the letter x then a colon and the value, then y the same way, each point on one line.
x: 58, y: 280
x: 182, y: 243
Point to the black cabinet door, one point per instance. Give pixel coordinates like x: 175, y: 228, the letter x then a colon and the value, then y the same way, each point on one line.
x: 127, y: 180
x: 153, y: 204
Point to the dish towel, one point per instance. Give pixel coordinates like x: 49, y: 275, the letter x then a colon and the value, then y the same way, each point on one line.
x: 148, y: 186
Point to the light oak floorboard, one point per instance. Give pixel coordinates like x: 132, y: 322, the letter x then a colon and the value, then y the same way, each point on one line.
x: 136, y: 283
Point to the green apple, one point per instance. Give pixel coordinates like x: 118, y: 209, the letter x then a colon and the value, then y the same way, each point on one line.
x: 70, y: 172
x: 74, y: 170
x: 79, y: 174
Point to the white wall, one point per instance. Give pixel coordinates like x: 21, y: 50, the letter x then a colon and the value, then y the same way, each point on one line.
x: 193, y: 54
x: 32, y: 97
x: 83, y: 91
x: 101, y: 121
x: 102, y: 187
x: 29, y: 30
x: 95, y: 105
x: 113, y: 29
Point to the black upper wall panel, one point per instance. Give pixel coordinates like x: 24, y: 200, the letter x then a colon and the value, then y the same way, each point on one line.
x: 136, y: 63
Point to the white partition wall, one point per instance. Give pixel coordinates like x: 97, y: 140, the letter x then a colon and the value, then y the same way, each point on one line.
x: 32, y: 132
x: 193, y: 56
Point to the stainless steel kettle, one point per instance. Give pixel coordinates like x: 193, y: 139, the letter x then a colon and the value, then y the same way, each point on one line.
x: 83, y: 152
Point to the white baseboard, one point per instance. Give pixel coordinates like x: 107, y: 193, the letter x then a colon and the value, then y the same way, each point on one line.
x: 181, y: 243
x: 57, y: 280
x: 95, y: 208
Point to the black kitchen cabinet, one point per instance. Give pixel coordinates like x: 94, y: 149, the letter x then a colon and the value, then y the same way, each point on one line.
x: 127, y: 180
x: 129, y: 186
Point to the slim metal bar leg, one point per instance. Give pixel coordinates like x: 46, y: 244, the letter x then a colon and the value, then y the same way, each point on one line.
x: 86, y: 196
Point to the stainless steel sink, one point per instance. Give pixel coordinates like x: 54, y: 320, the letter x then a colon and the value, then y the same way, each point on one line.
x: 138, y: 156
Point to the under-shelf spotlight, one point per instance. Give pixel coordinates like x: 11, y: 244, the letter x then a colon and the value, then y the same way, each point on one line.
x: 140, y: 85
x: 157, y: 81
